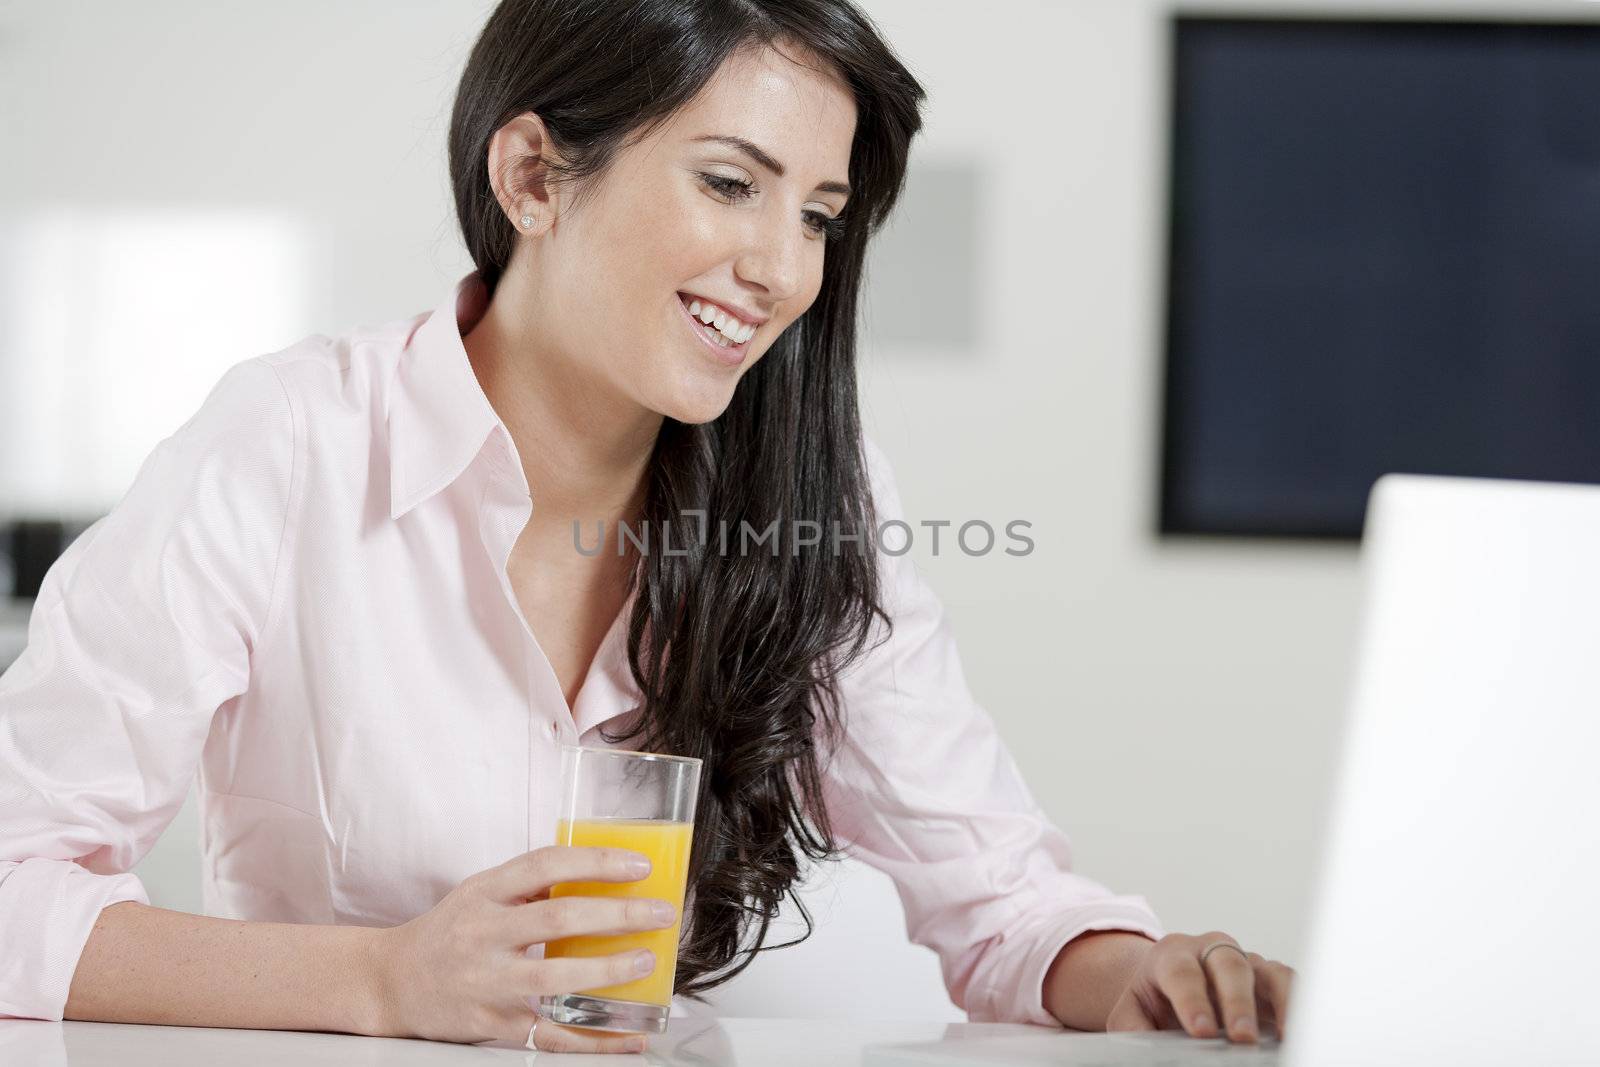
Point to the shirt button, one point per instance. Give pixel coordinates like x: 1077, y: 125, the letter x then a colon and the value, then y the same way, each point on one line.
x: 555, y: 730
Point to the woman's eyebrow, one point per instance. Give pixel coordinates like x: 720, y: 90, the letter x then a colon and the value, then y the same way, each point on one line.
x: 761, y: 157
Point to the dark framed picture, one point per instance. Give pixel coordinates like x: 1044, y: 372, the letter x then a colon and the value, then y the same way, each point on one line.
x: 1384, y: 255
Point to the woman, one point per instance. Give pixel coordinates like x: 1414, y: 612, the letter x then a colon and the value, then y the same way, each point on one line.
x: 348, y: 594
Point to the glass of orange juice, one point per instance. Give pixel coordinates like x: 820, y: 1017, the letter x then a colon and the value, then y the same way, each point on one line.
x: 642, y: 801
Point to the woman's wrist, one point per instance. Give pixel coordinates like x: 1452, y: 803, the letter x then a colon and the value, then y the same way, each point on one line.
x: 1090, y: 973
x: 374, y: 1009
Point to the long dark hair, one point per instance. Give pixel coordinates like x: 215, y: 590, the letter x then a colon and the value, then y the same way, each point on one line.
x: 737, y: 654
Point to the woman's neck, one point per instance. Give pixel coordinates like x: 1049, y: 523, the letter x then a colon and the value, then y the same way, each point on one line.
x: 585, y: 449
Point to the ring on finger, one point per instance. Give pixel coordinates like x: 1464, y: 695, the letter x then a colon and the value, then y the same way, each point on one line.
x: 1209, y: 949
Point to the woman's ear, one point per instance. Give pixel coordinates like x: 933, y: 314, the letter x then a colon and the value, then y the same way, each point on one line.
x: 519, y: 175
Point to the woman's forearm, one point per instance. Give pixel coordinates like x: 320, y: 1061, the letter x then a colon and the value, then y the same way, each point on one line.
x: 151, y: 965
x: 1089, y: 974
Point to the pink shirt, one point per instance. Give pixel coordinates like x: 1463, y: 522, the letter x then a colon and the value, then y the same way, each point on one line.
x: 303, y: 598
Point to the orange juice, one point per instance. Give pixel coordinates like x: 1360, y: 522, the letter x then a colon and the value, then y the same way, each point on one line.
x: 667, y: 845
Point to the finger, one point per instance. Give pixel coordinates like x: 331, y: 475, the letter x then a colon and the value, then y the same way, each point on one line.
x: 1233, y: 979
x: 513, y: 1025
x: 1183, y: 983
x: 553, y: 1037
x: 1282, y: 1003
x: 575, y: 974
x: 547, y: 920
x: 1266, y: 1015
x: 1273, y: 980
x: 1128, y: 1014
x: 530, y: 875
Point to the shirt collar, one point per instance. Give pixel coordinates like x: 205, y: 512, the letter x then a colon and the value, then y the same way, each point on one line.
x: 439, y: 416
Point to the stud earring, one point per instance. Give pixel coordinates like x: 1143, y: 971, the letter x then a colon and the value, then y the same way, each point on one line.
x: 527, y: 220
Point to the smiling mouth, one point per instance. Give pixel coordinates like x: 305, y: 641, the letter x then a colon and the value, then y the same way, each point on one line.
x: 724, y: 350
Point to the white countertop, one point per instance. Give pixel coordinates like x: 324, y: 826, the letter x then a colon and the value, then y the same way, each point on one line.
x: 702, y: 1041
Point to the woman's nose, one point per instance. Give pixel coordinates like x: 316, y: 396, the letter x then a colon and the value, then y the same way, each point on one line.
x: 774, y: 260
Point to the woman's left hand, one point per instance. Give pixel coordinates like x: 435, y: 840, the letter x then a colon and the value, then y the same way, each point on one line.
x: 1171, y: 990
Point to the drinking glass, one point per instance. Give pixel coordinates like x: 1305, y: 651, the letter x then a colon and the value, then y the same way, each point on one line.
x: 642, y: 801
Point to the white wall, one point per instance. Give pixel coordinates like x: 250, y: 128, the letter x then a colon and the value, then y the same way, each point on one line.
x: 1175, y: 706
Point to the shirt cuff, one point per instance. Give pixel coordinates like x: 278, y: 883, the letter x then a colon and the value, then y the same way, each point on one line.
x: 1014, y: 992
x: 48, y: 909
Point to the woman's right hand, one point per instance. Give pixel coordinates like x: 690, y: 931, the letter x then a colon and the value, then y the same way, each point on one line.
x: 459, y: 973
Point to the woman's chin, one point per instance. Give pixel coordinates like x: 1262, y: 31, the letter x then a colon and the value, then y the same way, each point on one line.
x: 697, y: 399
x: 696, y: 410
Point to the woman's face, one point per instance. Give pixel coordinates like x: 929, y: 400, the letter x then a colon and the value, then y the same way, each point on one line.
x: 689, y: 214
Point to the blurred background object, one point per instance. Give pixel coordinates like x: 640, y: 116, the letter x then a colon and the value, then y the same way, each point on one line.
x: 1385, y: 246
x: 31, y: 546
x: 188, y: 184
x: 115, y: 321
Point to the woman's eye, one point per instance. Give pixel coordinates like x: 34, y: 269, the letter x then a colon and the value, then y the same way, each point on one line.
x: 738, y: 189
x: 818, y: 223
x: 734, y: 187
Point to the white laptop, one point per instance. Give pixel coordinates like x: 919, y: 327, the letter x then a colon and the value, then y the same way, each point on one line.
x: 1457, y: 919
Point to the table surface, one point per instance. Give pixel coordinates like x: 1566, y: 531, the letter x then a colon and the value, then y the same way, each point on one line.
x: 704, y: 1042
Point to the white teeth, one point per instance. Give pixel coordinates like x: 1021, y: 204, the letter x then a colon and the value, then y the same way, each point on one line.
x: 730, y: 328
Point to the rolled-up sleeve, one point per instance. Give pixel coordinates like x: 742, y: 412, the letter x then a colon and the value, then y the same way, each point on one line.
x: 141, y: 631
x: 923, y: 788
